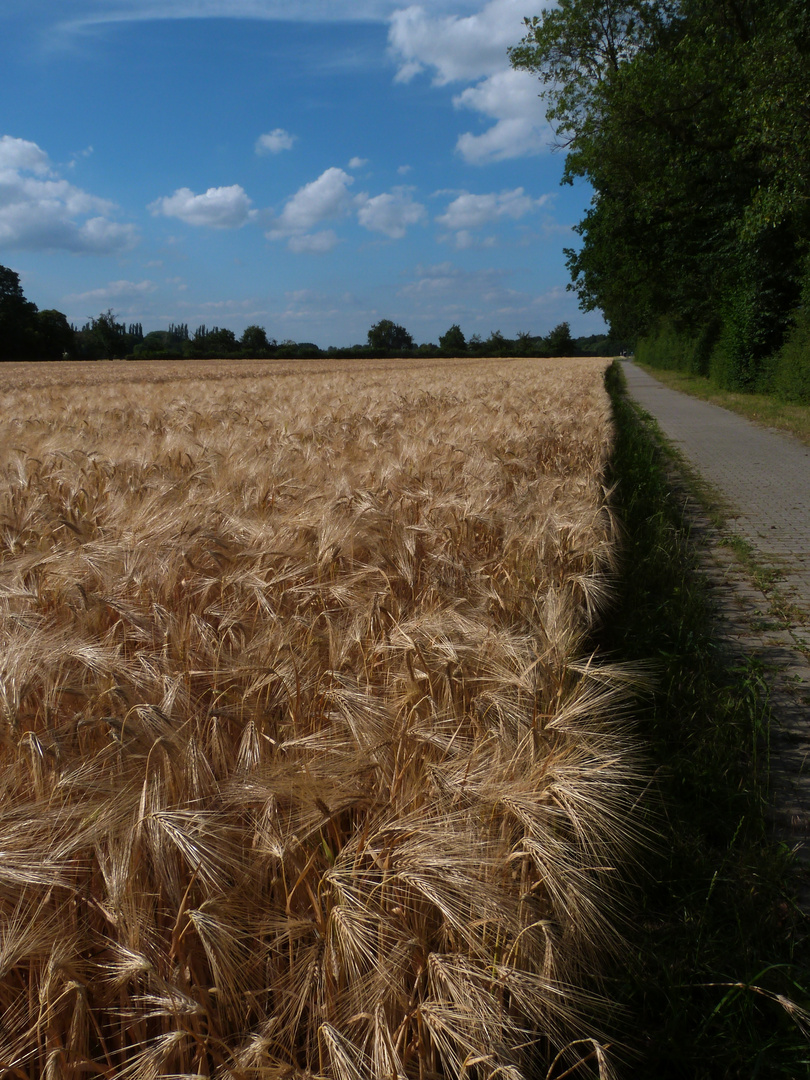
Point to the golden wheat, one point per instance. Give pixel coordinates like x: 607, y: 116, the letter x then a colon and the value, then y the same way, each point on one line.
x: 304, y: 770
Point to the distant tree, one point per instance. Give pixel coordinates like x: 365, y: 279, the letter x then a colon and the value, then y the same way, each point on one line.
x: 178, y: 331
x: 453, y: 342
x: 559, y: 341
x: 108, y: 336
x: 216, y: 343
x: 307, y: 350
x: 220, y: 342
x: 496, y: 345
x: 526, y: 344
x: 55, y: 336
x: 254, y: 342
x: 387, y: 337
x: 158, y: 344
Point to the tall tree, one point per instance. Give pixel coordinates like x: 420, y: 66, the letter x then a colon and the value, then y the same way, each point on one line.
x: 17, y: 319
x: 675, y: 111
x: 388, y: 337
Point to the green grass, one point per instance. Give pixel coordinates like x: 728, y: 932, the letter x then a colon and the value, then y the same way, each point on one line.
x: 718, y: 936
x: 761, y: 408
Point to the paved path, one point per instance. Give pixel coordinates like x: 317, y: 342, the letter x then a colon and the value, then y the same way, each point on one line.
x: 763, y: 478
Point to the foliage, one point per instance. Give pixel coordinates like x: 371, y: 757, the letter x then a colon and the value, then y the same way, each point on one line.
x: 452, y: 342
x: 388, y: 337
x: 18, y: 323
x: 791, y: 374
x: 54, y: 336
x: 691, y: 120
x: 158, y: 344
x: 254, y: 342
x: 559, y: 341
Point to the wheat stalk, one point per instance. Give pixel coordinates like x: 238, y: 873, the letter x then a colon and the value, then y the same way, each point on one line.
x: 305, y: 771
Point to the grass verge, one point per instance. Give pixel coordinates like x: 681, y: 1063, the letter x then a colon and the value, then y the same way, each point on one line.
x: 718, y: 981
x: 761, y: 408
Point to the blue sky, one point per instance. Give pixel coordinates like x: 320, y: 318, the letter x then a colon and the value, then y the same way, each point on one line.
x: 311, y: 166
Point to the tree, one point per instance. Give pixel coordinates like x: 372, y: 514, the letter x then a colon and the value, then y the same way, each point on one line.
x: 17, y: 319
x: 453, y: 342
x: 559, y: 341
x: 55, y: 336
x: 214, y: 343
x: 691, y: 121
x: 387, y: 337
x: 106, y: 338
x: 254, y: 342
x: 496, y: 345
x: 220, y: 342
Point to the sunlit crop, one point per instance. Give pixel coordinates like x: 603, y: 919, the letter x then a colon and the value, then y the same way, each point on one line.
x: 305, y: 768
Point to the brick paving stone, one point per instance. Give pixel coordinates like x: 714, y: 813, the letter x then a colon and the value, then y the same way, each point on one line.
x: 763, y: 479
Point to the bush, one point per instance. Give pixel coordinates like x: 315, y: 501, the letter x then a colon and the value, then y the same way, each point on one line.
x: 791, y: 374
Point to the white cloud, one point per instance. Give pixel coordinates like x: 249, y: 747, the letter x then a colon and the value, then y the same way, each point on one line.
x: 473, y: 211
x: 358, y: 162
x: 324, y: 199
x: 455, y: 48
x: 510, y: 98
x: 218, y: 208
x: 116, y: 290
x: 391, y: 213
x: 274, y: 142
x: 39, y: 211
x: 99, y: 236
x: 20, y: 154
x: 473, y: 49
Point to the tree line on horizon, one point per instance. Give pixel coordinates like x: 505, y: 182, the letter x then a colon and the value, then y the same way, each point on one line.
x: 26, y: 333
x: 690, y: 119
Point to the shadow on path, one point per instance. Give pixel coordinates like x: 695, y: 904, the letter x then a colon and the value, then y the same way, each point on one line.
x: 760, y: 479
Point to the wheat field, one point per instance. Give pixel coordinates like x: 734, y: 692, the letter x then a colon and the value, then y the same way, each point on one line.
x: 306, y: 770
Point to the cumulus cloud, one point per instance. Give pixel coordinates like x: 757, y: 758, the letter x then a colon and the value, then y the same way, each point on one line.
x: 473, y: 49
x: 22, y: 155
x: 40, y: 211
x: 321, y: 199
x: 275, y: 142
x: 324, y: 199
x: 469, y: 211
x: 218, y: 207
x: 511, y: 99
x: 391, y: 213
x: 455, y: 48
x: 358, y: 162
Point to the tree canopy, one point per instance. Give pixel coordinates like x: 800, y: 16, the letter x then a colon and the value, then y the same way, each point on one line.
x: 388, y: 337
x: 691, y: 121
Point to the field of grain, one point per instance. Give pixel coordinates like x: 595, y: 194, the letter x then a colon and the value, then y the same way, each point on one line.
x: 305, y: 768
